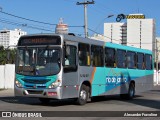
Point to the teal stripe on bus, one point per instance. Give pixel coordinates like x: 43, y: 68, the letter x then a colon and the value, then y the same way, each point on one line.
x: 101, y: 84
x: 51, y: 79
x: 129, y: 48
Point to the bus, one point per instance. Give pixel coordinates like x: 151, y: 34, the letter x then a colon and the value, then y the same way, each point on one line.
x: 61, y: 66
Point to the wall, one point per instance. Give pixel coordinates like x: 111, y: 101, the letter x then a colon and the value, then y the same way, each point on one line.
x: 113, y: 31
x: 2, y: 76
x: 7, y: 75
x: 156, y: 77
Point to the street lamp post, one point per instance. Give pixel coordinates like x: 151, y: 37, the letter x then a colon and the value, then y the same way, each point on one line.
x: 109, y: 16
x: 157, y: 56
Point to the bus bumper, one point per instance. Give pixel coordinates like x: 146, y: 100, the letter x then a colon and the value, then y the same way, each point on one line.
x: 39, y: 93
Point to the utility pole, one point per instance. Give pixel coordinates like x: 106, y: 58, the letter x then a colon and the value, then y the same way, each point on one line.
x: 85, y: 3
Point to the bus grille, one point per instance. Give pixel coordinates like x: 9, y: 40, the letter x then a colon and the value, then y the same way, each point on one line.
x: 34, y: 92
x: 36, y: 81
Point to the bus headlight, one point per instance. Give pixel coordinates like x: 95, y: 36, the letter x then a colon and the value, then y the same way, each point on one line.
x: 55, y: 84
x: 18, y: 84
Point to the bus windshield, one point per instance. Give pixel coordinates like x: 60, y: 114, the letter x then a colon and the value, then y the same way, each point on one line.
x: 38, y: 61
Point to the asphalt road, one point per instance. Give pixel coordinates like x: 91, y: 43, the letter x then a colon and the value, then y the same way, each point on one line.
x: 146, y: 101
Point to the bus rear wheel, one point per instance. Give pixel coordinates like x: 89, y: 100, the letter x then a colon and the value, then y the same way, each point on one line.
x: 83, y: 95
x: 131, y: 91
x: 130, y: 94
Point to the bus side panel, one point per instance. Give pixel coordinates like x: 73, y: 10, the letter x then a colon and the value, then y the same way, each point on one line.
x: 144, y: 83
x: 87, y: 74
x: 118, y: 80
x: 98, y: 82
x: 69, y: 82
x: 143, y: 79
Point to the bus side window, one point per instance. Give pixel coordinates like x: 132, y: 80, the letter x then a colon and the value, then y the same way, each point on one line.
x: 131, y: 63
x: 140, y: 61
x: 148, y: 62
x: 110, y: 60
x: 97, y: 53
x: 121, y: 58
x: 84, y: 54
x: 69, y: 60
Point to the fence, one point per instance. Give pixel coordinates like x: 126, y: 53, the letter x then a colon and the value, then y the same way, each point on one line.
x: 7, y: 76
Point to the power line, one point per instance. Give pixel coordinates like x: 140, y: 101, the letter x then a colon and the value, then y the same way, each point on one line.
x: 27, y: 18
x: 30, y: 26
x: 23, y: 25
x: 70, y: 0
x: 40, y: 22
x: 116, y: 39
x: 101, y: 34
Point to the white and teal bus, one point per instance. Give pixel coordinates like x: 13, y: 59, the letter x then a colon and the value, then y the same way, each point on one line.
x: 54, y: 66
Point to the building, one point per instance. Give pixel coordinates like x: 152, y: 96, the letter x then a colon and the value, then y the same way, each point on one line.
x: 61, y: 28
x: 141, y: 33
x: 137, y: 32
x: 98, y: 37
x: 158, y: 48
x: 115, y: 32
x: 10, y: 37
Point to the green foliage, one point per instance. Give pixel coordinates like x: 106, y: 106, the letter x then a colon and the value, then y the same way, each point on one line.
x: 3, y: 56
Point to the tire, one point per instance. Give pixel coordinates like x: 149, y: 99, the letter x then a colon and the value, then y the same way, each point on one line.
x: 131, y: 91
x: 130, y: 94
x: 83, y: 95
x: 44, y: 100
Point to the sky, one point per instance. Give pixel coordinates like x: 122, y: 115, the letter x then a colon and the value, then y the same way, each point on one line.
x: 50, y: 11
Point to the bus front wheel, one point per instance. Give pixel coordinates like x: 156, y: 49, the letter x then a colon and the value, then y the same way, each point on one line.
x: 83, y: 95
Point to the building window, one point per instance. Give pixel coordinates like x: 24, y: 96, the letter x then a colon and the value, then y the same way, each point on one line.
x: 121, y: 58
x: 97, y: 56
x: 110, y: 60
x: 84, y: 54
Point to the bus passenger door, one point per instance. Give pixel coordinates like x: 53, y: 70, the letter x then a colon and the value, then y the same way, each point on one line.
x: 70, y: 70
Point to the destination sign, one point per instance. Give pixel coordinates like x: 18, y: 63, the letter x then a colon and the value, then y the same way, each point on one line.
x: 39, y: 40
x: 25, y: 68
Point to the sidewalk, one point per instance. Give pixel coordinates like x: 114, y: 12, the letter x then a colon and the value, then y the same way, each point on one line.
x: 6, y: 92
x: 157, y: 87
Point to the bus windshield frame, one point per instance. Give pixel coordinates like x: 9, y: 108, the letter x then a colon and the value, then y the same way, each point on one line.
x: 38, y: 60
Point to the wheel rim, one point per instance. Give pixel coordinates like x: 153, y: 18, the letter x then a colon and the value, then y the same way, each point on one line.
x: 83, y: 95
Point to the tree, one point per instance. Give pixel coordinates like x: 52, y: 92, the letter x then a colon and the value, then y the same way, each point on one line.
x: 3, y: 56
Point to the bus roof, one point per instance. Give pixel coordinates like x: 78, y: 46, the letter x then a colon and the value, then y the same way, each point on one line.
x: 129, y: 48
x: 95, y: 42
